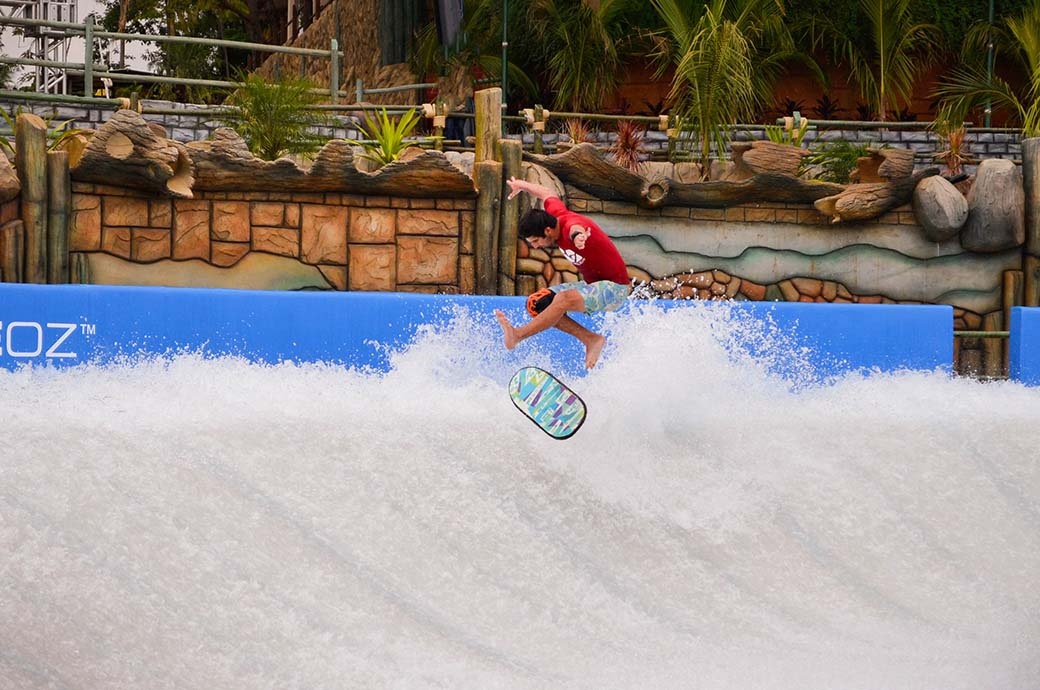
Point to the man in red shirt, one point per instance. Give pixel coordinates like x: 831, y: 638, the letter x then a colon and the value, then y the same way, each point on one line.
x: 605, y: 284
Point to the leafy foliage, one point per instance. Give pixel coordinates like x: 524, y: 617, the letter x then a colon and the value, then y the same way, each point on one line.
x: 273, y: 118
x: 584, y: 48
x: 56, y: 133
x: 388, y: 135
x: 478, y: 47
x: 885, y: 51
x: 836, y: 159
x: 726, y: 61
x: 972, y: 87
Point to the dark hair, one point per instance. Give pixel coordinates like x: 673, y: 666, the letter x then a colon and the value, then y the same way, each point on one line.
x: 534, y: 222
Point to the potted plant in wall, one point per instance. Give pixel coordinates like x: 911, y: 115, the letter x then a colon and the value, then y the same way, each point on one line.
x: 386, y: 137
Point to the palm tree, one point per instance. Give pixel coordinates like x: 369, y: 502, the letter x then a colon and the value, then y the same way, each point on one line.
x: 478, y: 45
x: 585, y: 48
x: 726, y: 61
x: 974, y: 86
x: 885, y: 59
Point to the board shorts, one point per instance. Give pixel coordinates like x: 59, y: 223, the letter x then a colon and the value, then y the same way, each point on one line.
x: 603, y: 295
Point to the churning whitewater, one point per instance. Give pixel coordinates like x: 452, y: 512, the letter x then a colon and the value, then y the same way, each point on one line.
x: 723, y: 521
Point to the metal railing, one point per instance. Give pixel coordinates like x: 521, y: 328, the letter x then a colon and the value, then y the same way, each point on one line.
x: 92, y: 71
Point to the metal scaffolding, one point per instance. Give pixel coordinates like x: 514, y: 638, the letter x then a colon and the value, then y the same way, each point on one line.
x: 46, y: 45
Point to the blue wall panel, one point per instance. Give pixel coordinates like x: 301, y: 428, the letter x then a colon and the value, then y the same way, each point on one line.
x: 1024, y: 345
x: 69, y: 324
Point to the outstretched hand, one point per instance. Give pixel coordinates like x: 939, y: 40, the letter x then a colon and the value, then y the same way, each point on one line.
x: 515, y: 187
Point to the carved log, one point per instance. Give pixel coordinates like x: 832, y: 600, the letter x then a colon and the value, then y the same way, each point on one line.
x: 10, y: 187
x: 587, y: 169
x: 127, y: 152
x: 870, y: 200
x: 883, y: 165
x: 224, y: 163
x: 755, y: 157
x: 31, y: 163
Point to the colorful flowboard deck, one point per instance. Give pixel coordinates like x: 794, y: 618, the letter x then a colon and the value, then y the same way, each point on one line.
x: 546, y: 401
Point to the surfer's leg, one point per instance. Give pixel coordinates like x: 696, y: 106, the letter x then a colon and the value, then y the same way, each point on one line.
x: 592, y: 341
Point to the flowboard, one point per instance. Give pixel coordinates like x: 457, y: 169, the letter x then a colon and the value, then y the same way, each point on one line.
x: 547, y: 401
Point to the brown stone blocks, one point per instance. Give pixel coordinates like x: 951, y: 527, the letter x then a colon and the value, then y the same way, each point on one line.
x: 372, y: 267
x: 281, y: 241
x: 124, y: 211
x: 427, y: 260
x: 191, y: 229
x: 372, y: 225
x: 323, y: 234
x: 227, y: 254
x: 160, y: 213
x: 116, y: 241
x: 423, y: 222
x: 336, y: 275
x: 708, y: 214
x: 267, y: 213
x: 759, y: 215
x: 148, y: 245
x: 231, y: 221
x: 85, y: 230
x: 619, y: 208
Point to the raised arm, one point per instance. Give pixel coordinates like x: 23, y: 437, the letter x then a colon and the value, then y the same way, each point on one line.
x: 536, y: 190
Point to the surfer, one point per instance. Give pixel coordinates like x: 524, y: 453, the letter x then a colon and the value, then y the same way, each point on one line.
x: 605, y: 283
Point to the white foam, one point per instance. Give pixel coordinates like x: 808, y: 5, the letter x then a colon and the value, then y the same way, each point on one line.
x: 194, y: 523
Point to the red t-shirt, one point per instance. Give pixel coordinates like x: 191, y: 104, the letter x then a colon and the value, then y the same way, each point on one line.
x: 599, y: 259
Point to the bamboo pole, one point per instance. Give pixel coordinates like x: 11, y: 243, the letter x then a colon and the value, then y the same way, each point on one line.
x: 31, y: 163
x: 1031, y: 281
x: 12, y: 238
x: 79, y: 269
x: 488, y: 175
x: 488, y: 126
x: 993, y: 362
x: 1011, y: 296
x: 59, y: 192
x: 1031, y: 181
x: 510, y: 153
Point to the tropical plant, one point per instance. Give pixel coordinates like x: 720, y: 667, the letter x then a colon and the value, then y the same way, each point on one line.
x: 788, y: 133
x: 726, y: 60
x: 955, y: 150
x: 578, y: 130
x: 56, y: 133
x: 835, y: 160
x: 584, y: 47
x: 274, y: 118
x: 387, y: 135
x: 477, y: 48
x: 827, y: 108
x: 974, y: 86
x: 885, y: 54
x: 627, y: 147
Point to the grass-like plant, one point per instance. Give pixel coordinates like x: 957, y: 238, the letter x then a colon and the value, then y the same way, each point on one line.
x: 273, y: 117
x: 56, y: 133
x: 627, y: 148
x: 387, y: 135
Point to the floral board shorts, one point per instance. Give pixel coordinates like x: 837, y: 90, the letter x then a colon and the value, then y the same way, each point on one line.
x: 603, y: 295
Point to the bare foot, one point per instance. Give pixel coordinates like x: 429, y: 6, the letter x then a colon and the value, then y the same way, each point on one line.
x: 508, y: 332
x: 592, y: 350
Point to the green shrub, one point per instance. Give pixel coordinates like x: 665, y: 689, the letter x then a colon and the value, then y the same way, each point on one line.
x: 274, y: 119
